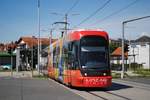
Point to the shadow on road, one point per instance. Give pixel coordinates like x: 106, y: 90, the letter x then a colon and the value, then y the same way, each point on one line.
x: 114, y: 87
x: 117, y: 86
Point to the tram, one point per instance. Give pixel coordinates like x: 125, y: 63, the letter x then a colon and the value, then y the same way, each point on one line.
x: 81, y: 59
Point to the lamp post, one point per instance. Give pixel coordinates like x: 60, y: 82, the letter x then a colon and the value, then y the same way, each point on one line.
x: 11, y: 59
x: 17, y: 59
x: 38, y: 65
x: 122, y: 73
x: 123, y: 25
x: 11, y: 64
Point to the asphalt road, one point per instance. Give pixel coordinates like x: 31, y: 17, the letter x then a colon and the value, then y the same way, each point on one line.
x: 34, y: 89
x: 47, y: 89
x: 120, y: 90
x: 144, y: 80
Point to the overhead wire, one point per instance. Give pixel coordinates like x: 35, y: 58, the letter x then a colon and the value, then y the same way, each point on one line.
x: 115, y: 13
x: 94, y: 13
x: 69, y: 10
x: 75, y: 3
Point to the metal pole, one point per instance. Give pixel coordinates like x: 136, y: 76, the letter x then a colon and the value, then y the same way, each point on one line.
x: 32, y: 60
x: 17, y: 59
x: 11, y: 64
x: 122, y: 73
x: 149, y: 56
x: 66, y: 23
x: 51, y: 36
x: 123, y: 24
x: 38, y: 66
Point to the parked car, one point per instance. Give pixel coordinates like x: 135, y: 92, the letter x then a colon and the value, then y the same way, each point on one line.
x: 5, y: 67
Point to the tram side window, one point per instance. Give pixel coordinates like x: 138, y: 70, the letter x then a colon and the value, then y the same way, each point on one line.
x: 73, y: 56
x: 70, y: 46
x: 65, y: 52
x: 54, y: 57
x: 57, y: 55
x: 75, y: 52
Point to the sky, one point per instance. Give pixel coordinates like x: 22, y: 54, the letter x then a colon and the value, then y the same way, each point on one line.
x: 20, y: 17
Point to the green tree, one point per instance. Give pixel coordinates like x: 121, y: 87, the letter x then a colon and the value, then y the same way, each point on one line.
x: 112, y: 47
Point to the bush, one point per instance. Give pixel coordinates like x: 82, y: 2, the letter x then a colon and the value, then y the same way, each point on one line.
x: 132, y: 66
x: 118, y: 75
x: 135, y: 66
x: 118, y: 67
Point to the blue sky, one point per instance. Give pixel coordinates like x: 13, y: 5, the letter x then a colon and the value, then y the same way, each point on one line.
x: 19, y: 17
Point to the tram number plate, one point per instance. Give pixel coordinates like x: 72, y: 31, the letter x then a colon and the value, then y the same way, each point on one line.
x: 96, y: 81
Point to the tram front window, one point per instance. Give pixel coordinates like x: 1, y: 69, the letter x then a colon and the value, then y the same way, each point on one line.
x: 94, y: 53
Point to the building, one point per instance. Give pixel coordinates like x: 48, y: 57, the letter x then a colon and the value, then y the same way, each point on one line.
x: 6, y: 59
x: 115, y: 42
x: 2, y: 47
x: 139, y: 51
x: 116, y: 56
x: 27, y: 51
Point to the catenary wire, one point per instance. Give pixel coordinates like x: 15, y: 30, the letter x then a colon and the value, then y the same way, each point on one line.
x: 94, y: 13
x: 115, y: 13
x: 69, y: 10
x: 73, y: 6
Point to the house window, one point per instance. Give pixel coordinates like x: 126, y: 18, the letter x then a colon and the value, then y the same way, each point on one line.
x: 143, y: 46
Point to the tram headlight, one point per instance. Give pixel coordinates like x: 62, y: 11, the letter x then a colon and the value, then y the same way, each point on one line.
x: 104, y: 74
x: 85, y: 74
x: 83, y: 66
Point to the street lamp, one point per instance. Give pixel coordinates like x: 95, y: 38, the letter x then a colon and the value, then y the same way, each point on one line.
x: 123, y: 25
x: 38, y: 66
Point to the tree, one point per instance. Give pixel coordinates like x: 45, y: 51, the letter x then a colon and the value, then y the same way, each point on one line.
x: 112, y: 47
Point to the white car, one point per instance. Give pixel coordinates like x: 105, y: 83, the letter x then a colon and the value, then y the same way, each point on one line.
x: 6, y: 66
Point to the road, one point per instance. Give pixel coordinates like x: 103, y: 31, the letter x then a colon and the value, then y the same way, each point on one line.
x: 120, y: 90
x: 47, y: 89
x: 33, y: 89
x: 144, y: 80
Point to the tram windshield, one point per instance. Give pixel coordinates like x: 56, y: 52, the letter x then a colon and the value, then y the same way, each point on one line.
x: 94, y: 52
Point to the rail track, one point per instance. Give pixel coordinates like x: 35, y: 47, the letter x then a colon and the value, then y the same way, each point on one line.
x: 118, y: 91
x: 108, y: 93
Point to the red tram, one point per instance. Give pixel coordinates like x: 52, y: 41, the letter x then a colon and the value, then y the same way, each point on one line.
x: 81, y: 59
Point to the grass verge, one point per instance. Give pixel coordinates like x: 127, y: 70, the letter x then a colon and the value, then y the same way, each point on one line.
x: 143, y: 72
x: 40, y: 76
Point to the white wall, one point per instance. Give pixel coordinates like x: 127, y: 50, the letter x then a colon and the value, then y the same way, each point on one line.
x: 142, y: 54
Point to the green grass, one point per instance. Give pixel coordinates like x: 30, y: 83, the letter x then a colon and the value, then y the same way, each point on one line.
x: 40, y: 76
x: 1, y: 70
x: 143, y: 72
x: 115, y: 75
x: 118, y: 75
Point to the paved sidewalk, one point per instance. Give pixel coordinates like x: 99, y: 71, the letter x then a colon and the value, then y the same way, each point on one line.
x: 34, y: 89
x: 18, y: 74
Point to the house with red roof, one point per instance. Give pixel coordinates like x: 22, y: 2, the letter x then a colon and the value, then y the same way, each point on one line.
x: 28, y: 48
x: 6, y: 53
x: 116, y: 56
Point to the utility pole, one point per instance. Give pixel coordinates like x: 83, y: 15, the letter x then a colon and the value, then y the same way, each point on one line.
x: 51, y: 34
x: 11, y: 59
x: 38, y: 65
x: 65, y: 22
x: 149, y: 56
x: 17, y: 59
x: 122, y: 73
x: 32, y: 58
x: 123, y: 24
x: 66, y: 17
x: 11, y: 64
